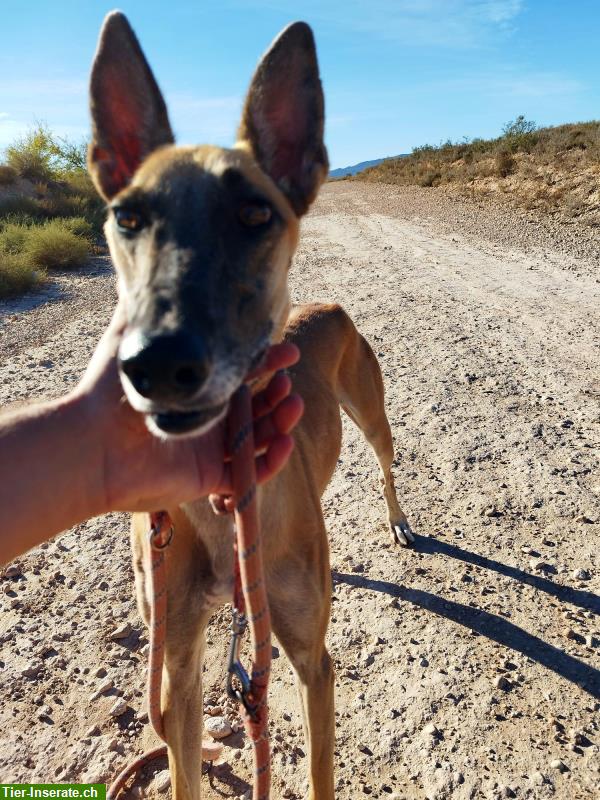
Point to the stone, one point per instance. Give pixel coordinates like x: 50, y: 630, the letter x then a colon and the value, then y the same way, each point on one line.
x: 13, y: 571
x: 122, y: 632
x: 31, y: 671
x: 218, y: 727
x: 538, y: 778
x: 591, y: 641
x: 162, y: 781
x: 538, y: 565
x: 581, y: 575
x: 105, y: 686
x: 503, y: 683
x: 559, y: 765
x: 431, y: 730
x: 120, y: 707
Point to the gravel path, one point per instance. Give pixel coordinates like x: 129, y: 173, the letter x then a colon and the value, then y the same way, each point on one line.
x: 468, y: 667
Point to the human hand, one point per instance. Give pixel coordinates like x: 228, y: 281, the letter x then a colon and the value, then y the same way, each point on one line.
x: 140, y: 472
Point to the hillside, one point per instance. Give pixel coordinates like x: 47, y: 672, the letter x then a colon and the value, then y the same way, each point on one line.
x: 555, y: 170
x: 342, y: 172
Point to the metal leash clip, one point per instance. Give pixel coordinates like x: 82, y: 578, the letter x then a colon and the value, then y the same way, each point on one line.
x: 159, y: 520
x: 235, y: 668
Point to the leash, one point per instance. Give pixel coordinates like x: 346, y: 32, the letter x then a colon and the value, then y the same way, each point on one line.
x: 250, y: 604
x: 250, y: 607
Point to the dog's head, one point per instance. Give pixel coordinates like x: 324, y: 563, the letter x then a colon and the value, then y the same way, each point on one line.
x: 202, y: 237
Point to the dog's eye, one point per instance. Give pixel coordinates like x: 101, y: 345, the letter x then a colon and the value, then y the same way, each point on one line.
x: 254, y: 214
x: 129, y: 220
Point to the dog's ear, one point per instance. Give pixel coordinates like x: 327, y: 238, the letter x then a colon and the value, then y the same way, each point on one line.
x: 283, y: 116
x: 129, y: 116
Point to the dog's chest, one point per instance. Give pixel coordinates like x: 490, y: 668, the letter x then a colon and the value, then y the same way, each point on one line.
x: 214, y: 553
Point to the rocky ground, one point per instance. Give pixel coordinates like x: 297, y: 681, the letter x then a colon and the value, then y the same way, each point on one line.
x: 468, y: 666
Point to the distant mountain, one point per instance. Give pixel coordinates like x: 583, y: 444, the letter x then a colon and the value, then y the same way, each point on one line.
x: 341, y: 171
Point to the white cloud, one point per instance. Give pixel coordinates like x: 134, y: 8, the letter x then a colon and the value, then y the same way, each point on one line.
x: 447, y: 23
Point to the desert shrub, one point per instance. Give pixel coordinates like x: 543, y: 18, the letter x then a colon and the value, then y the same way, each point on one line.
x: 80, y: 226
x: 505, y: 163
x: 519, y: 135
x: 13, y: 236
x: 40, y: 155
x: 429, y: 178
x: 79, y: 182
x: 31, y: 155
x: 54, y: 246
x: 8, y: 175
x: 17, y: 275
x: 518, y: 127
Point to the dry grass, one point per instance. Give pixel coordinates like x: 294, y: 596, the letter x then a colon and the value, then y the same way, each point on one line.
x: 556, y: 170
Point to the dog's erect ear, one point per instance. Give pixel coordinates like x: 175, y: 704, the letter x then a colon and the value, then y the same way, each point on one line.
x: 129, y: 116
x: 283, y: 116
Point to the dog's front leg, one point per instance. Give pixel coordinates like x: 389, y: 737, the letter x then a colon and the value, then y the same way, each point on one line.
x: 181, y: 701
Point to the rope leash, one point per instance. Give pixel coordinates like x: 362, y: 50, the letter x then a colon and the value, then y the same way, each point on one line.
x: 250, y: 606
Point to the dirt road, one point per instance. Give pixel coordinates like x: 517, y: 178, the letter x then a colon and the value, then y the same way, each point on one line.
x: 468, y: 666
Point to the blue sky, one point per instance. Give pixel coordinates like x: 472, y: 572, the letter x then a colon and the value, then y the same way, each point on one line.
x: 397, y: 73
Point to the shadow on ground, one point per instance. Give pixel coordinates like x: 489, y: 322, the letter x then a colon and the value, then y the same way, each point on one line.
x: 490, y: 625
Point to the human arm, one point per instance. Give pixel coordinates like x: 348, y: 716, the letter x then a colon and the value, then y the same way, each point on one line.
x: 66, y: 460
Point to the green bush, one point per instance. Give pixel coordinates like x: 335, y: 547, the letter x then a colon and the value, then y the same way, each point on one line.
x: 519, y: 135
x: 13, y: 237
x: 79, y: 226
x: 54, y: 246
x: 40, y: 155
x: 8, y: 175
x: 17, y: 275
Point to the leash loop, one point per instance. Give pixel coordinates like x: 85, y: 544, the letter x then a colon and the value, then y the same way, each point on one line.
x: 158, y: 521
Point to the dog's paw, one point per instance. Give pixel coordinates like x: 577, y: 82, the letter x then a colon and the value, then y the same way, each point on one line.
x: 402, y: 534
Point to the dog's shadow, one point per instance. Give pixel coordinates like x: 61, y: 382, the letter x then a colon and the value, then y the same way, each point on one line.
x: 490, y: 625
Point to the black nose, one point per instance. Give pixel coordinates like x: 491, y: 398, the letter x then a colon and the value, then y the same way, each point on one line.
x: 166, y: 368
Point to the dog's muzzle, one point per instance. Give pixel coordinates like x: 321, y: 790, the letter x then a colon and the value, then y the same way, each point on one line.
x: 168, y: 369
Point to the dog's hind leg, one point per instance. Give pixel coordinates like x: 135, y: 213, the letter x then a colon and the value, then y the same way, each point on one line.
x: 361, y: 395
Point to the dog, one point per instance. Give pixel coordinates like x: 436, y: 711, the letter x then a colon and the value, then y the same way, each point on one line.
x: 202, y: 239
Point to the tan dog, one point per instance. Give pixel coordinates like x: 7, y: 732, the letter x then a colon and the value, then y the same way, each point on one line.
x: 202, y: 239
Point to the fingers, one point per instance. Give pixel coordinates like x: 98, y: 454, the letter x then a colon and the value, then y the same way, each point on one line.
x: 280, y: 421
x: 277, y: 389
x: 278, y: 356
x: 274, y: 439
x: 275, y: 458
